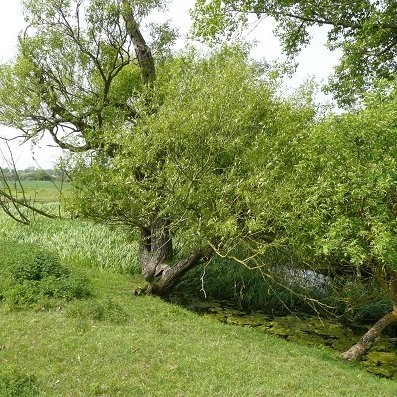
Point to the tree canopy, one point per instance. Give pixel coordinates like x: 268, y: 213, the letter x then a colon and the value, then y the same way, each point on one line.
x: 365, y: 31
x: 191, y: 161
x: 338, y: 201
x: 79, y: 64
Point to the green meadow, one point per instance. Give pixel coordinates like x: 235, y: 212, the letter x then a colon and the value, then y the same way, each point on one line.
x: 37, y: 191
x: 55, y: 341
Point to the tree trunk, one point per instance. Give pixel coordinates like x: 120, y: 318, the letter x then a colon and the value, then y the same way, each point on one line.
x: 370, y: 337
x: 171, y: 275
x: 155, y: 249
x: 142, y: 50
x: 156, y: 253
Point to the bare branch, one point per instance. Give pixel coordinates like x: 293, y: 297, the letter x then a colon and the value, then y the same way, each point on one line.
x: 9, y: 201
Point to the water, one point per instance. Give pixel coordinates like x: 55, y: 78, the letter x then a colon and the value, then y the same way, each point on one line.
x: 305, y: 329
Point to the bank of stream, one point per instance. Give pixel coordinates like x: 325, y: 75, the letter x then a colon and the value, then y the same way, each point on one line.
x: 305, y: 329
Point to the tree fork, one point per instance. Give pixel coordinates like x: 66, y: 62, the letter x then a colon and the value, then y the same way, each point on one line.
x: 156, y: 254
x: 171, y: 275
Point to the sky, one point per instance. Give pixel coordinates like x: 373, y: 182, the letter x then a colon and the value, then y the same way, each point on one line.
x: 314, y: 61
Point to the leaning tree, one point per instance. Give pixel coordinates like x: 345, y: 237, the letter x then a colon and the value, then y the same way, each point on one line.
x: 179, y: 175
x: 166, y: 142
x: 339, y: 201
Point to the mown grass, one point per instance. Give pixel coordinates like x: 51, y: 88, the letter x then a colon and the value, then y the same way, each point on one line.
x: 157, y: 349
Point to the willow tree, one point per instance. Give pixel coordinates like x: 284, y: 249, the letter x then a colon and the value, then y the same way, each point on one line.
x: 184, y: 167
x: 166, y: 143
x: 340, y: 200
x: 364, y: 30
x: 80, y: 69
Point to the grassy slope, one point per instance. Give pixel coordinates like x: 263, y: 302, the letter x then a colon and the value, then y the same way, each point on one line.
x: 160, y: 349
x: 163, y: 350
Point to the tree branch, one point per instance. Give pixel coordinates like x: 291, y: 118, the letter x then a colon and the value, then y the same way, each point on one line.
x: 316, y: 20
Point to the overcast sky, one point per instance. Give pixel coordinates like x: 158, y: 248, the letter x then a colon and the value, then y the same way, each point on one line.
x: 314, y: 61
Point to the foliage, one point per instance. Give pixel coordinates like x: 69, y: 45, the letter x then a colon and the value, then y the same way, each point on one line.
x: 37, y: 266
x: 14, y: 383
x: 190, y: 159
x: 167, y: 153
x: 284, y: 290
x: 336, y: 204
x: 356, y: 300
x: 34, y: 277
x: 364, y: 30
x: 328, y: 194
x: 347, y: 175
x: 75, y: 71
x: 77, y: 242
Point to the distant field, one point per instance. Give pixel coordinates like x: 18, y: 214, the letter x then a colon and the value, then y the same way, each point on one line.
x: 38, y: 191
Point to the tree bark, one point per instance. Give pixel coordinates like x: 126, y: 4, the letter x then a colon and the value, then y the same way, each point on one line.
x: 155, y: 248
x: 370, y: 337
x: 142, y: 50
x: 171, y: 275
x: 156, y: 254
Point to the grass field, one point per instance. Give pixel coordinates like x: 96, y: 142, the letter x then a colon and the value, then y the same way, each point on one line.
x: 38, y: 191
x: 151, y: 348
x: 116, y: 344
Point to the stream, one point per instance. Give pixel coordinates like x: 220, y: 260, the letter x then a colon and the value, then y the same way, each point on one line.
x: 305, y: 329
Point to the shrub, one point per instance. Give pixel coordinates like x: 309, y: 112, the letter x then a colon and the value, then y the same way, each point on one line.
x: 14, y: 383
x: 39, y: 265
x: 31, y: 276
